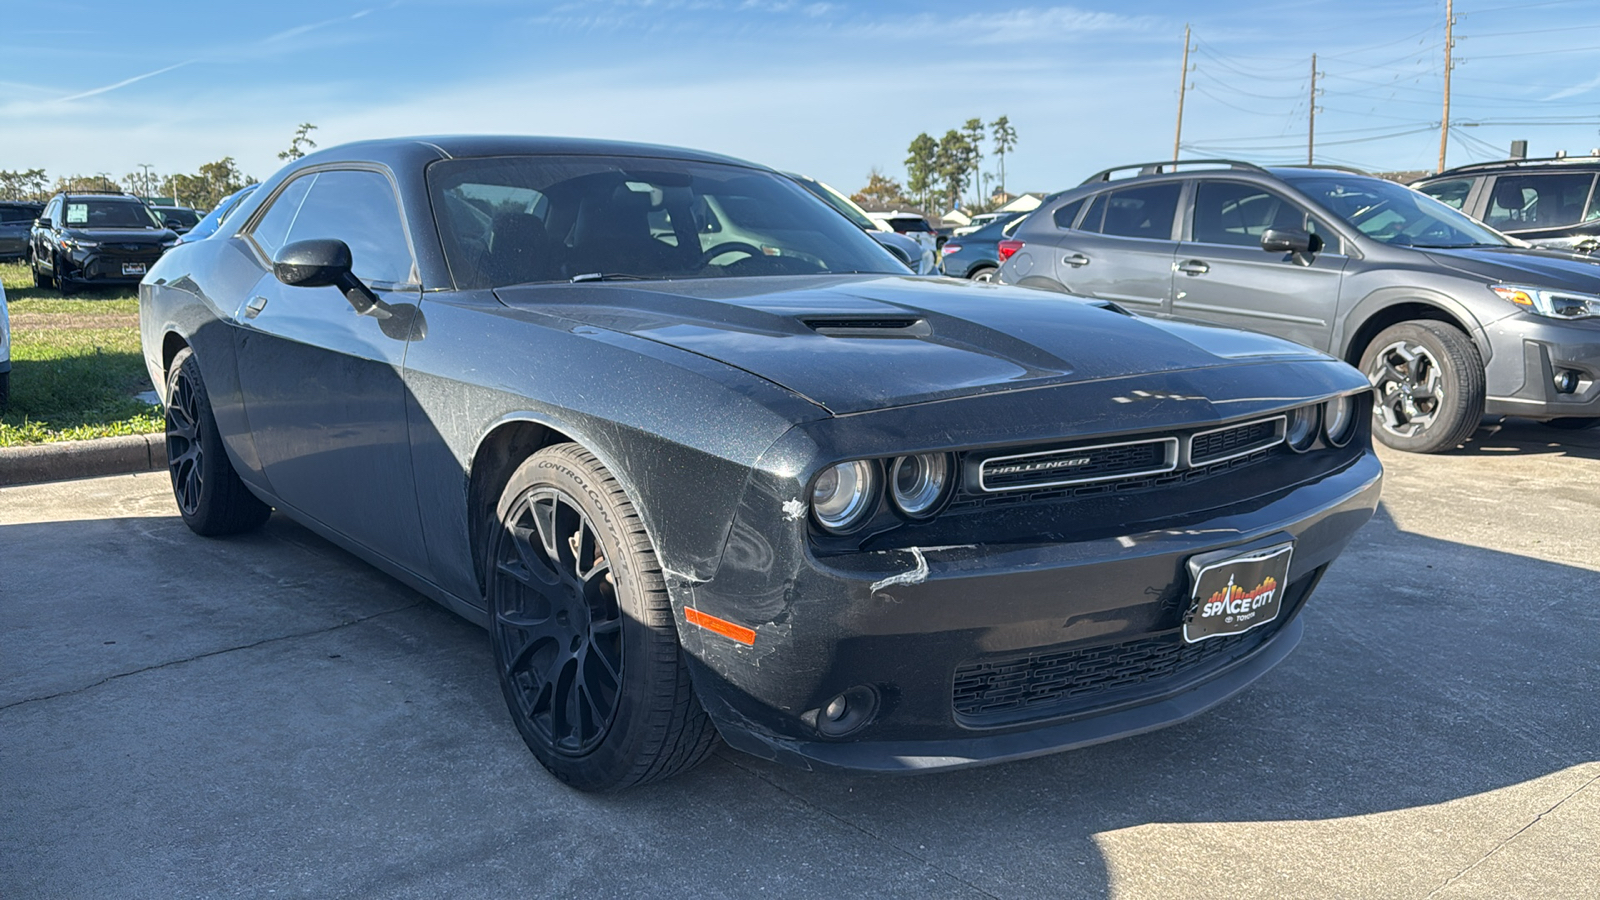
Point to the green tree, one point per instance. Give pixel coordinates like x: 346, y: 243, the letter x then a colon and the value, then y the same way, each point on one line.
x: 100, y: 181
x: 883, y: 191
x: 973, y: 132
x: 24, y: 184
x: 922, y: 168
x: 953, y: 165
x: 1005, y: 139
x: 302, y: 138
x: 205, y: 189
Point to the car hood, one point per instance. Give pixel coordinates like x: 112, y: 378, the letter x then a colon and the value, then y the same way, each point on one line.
x: 123, y: 235
x: 852, y: 344
x: 1525, y: 266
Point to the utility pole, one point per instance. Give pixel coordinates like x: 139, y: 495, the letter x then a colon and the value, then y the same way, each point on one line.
x: 1183, y: 84
x: 147, y: 180
x: 1311, y: 130
x: 1449, y: 45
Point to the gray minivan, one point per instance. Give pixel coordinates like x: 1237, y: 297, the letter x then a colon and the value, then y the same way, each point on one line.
x: 1448, y: 318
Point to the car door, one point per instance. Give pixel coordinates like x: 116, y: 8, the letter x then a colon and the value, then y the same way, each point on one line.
x: 1121, y: 248
x: 322, y: 383
x: 1222, y: 275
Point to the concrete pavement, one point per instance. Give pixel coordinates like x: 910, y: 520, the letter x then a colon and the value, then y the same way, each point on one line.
x: 267, y: 716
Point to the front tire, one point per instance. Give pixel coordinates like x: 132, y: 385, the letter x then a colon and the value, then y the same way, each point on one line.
x: 1428, y: 385
x: 211, y: 498
x: 583, y: 636
x: 40, y: 280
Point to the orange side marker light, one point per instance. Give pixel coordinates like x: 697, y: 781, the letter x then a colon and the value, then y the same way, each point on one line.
x: 743, y: 635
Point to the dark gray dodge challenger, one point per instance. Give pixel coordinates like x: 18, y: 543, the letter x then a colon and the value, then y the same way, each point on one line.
x: 705, y: 459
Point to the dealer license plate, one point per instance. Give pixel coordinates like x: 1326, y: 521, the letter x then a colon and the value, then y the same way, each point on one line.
x: 133, y: 268
x: 1236, y: 594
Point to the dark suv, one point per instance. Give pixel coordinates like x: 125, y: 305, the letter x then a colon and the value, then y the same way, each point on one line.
x: 1546, y: 202
x: 1446, y: 317
x: 84, y: 239
x: 16, y: 217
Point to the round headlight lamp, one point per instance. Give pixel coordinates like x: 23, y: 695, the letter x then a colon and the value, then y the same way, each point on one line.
x: 1339, y: 420
x: 917, y: 483
x: 844, y: 494
x: 1301, y: 430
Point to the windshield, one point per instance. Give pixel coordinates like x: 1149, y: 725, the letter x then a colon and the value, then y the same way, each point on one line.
x: 1394, y: 214
x: 514, y: 220
x: 108, y: 214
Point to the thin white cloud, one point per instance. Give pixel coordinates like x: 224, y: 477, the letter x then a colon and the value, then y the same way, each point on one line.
x: 124, y: 82
x: 1575, y: 90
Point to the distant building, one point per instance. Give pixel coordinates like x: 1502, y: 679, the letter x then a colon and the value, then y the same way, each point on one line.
x: 1004, y: 202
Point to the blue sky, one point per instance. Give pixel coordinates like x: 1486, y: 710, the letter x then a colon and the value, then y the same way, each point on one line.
x: 830, y: 89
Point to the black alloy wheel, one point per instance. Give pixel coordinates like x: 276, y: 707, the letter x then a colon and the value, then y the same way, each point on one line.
x: 1428, y: 386
x: 583, y: 635
x: 40, y: 280
x: 211, y: 498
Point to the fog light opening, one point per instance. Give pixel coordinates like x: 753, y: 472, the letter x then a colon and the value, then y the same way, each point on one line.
x: 1567, y: 380
x: 848, y: 712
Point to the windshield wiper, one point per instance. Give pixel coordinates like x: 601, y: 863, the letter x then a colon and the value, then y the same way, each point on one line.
x: 606, y: 276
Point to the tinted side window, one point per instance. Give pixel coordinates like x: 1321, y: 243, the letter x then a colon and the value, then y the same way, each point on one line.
x: 1229, y: 212
x: 1142, y: 212
x: 271, y: 229
x: 358, y: 208
x: 1066, y: 214
x: 1452, y: 193
x: 1538, y: 201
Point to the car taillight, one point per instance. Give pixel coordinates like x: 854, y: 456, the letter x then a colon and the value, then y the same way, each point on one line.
x: 1008, y: 247
x: 951, y: 248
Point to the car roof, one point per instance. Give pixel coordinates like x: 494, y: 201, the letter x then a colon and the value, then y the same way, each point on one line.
x: 404, y: 150
x: 1512, y: 165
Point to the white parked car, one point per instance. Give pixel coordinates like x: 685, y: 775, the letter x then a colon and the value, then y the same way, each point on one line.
x: 909, y: 224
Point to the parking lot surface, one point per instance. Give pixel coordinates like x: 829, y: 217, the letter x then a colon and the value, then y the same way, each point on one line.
x: 267, y: 716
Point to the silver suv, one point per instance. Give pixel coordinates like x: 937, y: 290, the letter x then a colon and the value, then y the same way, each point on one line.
x: 1447, y: 317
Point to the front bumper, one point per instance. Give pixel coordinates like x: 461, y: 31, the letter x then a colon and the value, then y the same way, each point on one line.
x: 106, y: 265
x: 978, y: 654
x: 1532, y: 355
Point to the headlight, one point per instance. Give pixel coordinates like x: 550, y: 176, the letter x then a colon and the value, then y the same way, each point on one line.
x: 917, y: 483
x: 1301, y: 431
x: 78, y: 243
x: 844, y: 494
x: 1549, y: 302
x: 1339, y: 420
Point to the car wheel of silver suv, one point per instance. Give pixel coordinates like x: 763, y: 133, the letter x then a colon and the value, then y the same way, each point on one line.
x: 1428, y: 385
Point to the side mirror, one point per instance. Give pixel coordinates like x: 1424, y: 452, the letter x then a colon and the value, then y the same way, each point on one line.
x: 41, y: 222
x: 316, y: 263
x: 1286, y: 240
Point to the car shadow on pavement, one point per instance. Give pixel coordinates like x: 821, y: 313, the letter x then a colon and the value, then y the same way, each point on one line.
x: 1525, y: 437
x: 267, y: 713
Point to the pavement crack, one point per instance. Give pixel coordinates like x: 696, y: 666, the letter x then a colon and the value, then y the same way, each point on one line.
x: 852, y: 825
x: 1513, y: 836
x: 199, y: 656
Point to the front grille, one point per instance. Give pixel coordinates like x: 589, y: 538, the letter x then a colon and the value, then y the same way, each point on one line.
x: 1077, y: 465
x: 1049, y: 683
x: 1236, y: 440
x: 1102, y: 488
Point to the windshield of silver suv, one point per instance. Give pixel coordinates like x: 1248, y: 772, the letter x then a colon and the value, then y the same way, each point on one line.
x: 108, y: 214
x: 1394, y: 214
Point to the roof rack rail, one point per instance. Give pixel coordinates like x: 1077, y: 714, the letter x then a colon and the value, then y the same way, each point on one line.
x: 1481, y: 166
x: 104, y: 191
x: 1170, y: 165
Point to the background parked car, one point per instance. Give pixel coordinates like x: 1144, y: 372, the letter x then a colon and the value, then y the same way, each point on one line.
x: 16, y: 219
x: 1546, y: 202
x: 922, y: 260
x: 208, y: 225
x: 1446, y: 317
x: 983, y: 220
x: 92, y: 239
x: 911, y: 225
x: 178, y: 218
x: 976, y: 255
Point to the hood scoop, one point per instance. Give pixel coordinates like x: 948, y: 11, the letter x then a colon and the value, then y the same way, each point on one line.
x: 869, y: 326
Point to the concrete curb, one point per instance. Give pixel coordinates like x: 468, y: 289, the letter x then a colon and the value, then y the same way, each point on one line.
x: 64, y: 460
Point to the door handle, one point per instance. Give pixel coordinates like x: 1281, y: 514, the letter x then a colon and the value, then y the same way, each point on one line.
x: 254, y: 307
x: 1076, y: 260
x: 1193, y: 267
